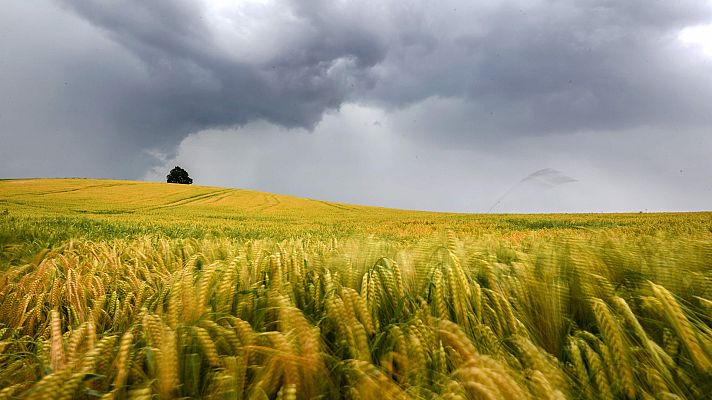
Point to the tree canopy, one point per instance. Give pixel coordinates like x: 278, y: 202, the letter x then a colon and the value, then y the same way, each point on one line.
x: 179, y: 175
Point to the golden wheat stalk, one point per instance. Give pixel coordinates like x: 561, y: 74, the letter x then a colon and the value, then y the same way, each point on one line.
x: 614, y: 340
x: 684, y: 329
x: 57, y: 350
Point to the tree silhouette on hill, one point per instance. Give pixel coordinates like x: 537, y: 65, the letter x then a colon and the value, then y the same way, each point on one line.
x: 179, y: 175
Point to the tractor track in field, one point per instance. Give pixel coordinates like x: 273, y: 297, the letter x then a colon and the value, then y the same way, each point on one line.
x: 338, y: 206
x: 73, y: 190
x: 271, y: 201
x: 25, y: 204
x: 190, y: 200
x: 217, y: 198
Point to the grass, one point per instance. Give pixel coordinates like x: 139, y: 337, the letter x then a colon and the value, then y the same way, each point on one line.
x: 118, y: 289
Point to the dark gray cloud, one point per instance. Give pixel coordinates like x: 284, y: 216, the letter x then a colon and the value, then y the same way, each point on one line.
x: 524, y: 67
x: 109, y: 89
x: 554, y: 67
x: 61, y: 85
x: 198, y: 83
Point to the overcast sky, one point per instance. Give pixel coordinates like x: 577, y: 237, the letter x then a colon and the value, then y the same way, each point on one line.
x: 437, y: 105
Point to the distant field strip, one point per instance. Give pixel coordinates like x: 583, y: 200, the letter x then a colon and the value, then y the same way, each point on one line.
x: 199, y: 209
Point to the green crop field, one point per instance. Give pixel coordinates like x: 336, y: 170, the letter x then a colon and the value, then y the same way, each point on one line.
x: 122, y: 289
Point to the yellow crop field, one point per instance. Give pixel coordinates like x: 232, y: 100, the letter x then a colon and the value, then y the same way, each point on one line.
x: 121, y: 289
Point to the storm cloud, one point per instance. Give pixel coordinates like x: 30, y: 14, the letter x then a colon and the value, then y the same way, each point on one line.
x: 116, y: 89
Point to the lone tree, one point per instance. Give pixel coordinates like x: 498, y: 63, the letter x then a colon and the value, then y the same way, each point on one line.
x: 179, y: 175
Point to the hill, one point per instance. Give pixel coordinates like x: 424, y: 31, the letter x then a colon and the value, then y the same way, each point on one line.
x: 100, y: 197
x: 113, y: 208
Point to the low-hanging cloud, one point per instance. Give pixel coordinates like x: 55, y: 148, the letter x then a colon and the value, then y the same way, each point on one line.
x: 546, y: 177
x: 347, y: 158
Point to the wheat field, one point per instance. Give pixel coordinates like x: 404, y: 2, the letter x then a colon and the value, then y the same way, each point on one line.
x: 119, y: 289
